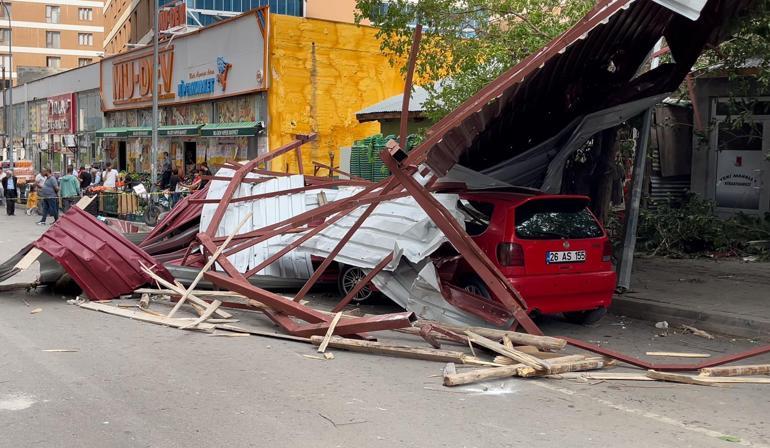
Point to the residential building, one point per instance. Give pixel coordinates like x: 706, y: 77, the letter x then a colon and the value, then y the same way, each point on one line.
x: 128, y: 23
x: 56, y: 34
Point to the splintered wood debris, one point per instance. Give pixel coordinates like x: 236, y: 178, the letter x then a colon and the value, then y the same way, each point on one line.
x: 498, y: 354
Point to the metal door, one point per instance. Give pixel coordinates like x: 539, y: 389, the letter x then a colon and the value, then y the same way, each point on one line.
x: 742, y: 182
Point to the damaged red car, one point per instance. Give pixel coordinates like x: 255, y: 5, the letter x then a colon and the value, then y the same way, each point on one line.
x: 551, y: 248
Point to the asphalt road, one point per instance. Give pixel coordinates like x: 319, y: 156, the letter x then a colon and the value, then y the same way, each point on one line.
x: 133, y: 384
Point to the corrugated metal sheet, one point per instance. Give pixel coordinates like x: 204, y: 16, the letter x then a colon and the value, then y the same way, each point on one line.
x: 100, y: 260
x: 591, y: 67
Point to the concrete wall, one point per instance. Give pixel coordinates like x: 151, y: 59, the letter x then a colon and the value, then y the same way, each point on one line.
x: 322, y: 73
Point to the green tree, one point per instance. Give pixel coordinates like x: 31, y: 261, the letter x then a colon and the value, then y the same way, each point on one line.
x: 467, y: 43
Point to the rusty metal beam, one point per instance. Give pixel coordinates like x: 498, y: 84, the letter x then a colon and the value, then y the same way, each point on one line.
x: 241, y: 173
x: 500, y: 287
x: 273, y: 194
x: 360, y: 325
x: 408, y: 84
x: 711, y: 362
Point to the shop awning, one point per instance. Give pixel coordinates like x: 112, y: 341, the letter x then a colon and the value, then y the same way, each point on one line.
x: 112, y: 132
x: 144, y: 131
x: 242, y: 128
x: 179, y: 130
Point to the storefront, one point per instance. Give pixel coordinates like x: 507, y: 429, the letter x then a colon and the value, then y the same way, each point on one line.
x: 212, y: 98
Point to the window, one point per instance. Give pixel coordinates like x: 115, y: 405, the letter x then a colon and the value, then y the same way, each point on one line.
x: 86, y: 39
x: 740, y: 137
x: 476, y: 215
x: 84, y: 61
x: 52, y: 39
x: 554, y: 219
x: 2, y: 10
x: 5, y: 36
x: 52, y: 14
x: 53, y: 62
x: 85, y: 14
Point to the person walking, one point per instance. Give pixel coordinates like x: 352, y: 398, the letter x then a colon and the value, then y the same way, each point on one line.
x: 32, y: 200
x: 11, y: 192
x: 70, y: 189
x: 165, y: 170
x: 110, y: 177
x: 49, y: 194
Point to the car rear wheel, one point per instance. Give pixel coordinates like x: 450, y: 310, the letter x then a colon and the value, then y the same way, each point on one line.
x: 475, y: 286
x: 585, y: 317
x: 349, y: 278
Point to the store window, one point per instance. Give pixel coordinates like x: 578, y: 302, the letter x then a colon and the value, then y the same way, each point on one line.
x: 52, y: 39
x: 52, y: 14
x: 53, y: 62
x: 84, y: 61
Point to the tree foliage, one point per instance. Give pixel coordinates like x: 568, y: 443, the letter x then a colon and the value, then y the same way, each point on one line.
x: 467, y: 43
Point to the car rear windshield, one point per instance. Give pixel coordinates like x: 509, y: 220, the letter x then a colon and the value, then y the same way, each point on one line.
x: 555, y: 219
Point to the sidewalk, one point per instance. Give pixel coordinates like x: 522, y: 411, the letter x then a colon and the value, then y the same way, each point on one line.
x: 729, y: 297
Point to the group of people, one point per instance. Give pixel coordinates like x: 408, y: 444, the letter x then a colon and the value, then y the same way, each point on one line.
x: 173, y: 178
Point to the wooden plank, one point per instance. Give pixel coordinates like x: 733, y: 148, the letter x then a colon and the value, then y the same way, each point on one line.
x: 679, y: 354
x: 144, y: 302
x: 197, y: 292
x: 754, y: 369
x: 28, y: 259
x: 494, y: 373
x: 210, y: 262
x: 541, y: 342
x: 178, y: 290
x: 601, y: 376
x: 563, y: 367
x: 677, y: 378
x: 516, y: 355
x: 426, y: 354
x: 329, y: 332
x: 144, y: 317
x: 266, y: 334
x: 206, y: 314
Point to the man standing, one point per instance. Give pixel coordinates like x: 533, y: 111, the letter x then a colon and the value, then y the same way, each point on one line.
x: 70, y: 189
x: 11, y: 189
x: 85, y: 178
x: 110, y: 176
x: 165, y: 171
x: 50, y: 199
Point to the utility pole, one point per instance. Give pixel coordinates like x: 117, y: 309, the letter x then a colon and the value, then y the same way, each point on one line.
x: 9, y: 131
x: 155, y: 64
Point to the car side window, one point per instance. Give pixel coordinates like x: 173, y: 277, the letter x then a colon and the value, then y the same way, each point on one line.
x: 477, y: 215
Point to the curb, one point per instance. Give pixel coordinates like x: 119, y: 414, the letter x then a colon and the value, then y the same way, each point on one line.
x: 712, y: 321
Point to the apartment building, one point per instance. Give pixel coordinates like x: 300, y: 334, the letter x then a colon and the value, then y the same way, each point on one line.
x: 51, y: 34
x: 128, y: 23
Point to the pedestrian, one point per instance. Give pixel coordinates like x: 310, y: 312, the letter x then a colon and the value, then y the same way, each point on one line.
x: 96, y: 175
x: 165, y: 177
x: 85, y: 178
x: 32, y: 199
x: 2, y: 190
x: 110, y: 176
x: 49, y: 194
x: 204, y: 171
x: 10, y: 192
x: 70, y: 189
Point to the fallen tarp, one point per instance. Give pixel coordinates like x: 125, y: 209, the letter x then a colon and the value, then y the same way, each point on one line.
x: 100, y: 260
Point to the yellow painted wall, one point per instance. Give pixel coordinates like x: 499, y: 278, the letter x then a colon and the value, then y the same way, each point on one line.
x: 321, y: 74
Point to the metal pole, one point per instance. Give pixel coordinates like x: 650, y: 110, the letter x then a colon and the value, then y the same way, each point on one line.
x: 10, y: 75
x: 154, y: 149
x: 632, y: 211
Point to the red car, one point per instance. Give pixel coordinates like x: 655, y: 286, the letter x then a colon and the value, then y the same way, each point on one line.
x: 551, y: 247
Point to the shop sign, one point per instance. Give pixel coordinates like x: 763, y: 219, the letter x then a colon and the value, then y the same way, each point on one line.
x: 61, y: 114
x: 172, y: 17
x: 207, y: 64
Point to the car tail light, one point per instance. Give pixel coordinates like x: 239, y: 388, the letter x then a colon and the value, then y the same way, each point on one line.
x: 607, y: 251
x: 510, y: 254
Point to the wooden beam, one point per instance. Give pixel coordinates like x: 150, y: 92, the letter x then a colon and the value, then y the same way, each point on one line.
x: 755, y: 369
x: 208, y: 265
x: 329, y: 332
x: 426, y: 354
x: 677, y: 378
x: 180, y: 291
x: 493, y: 373
x: 516, y: 355
x: 562, y: 367
x: 143, y: 316
x: 206, y: 314
x: 541, y: 342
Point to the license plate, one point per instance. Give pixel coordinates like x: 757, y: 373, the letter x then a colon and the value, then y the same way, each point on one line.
x: 565, y: 256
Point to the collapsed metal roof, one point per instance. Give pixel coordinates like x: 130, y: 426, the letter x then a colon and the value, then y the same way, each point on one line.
x: 593, y: 66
